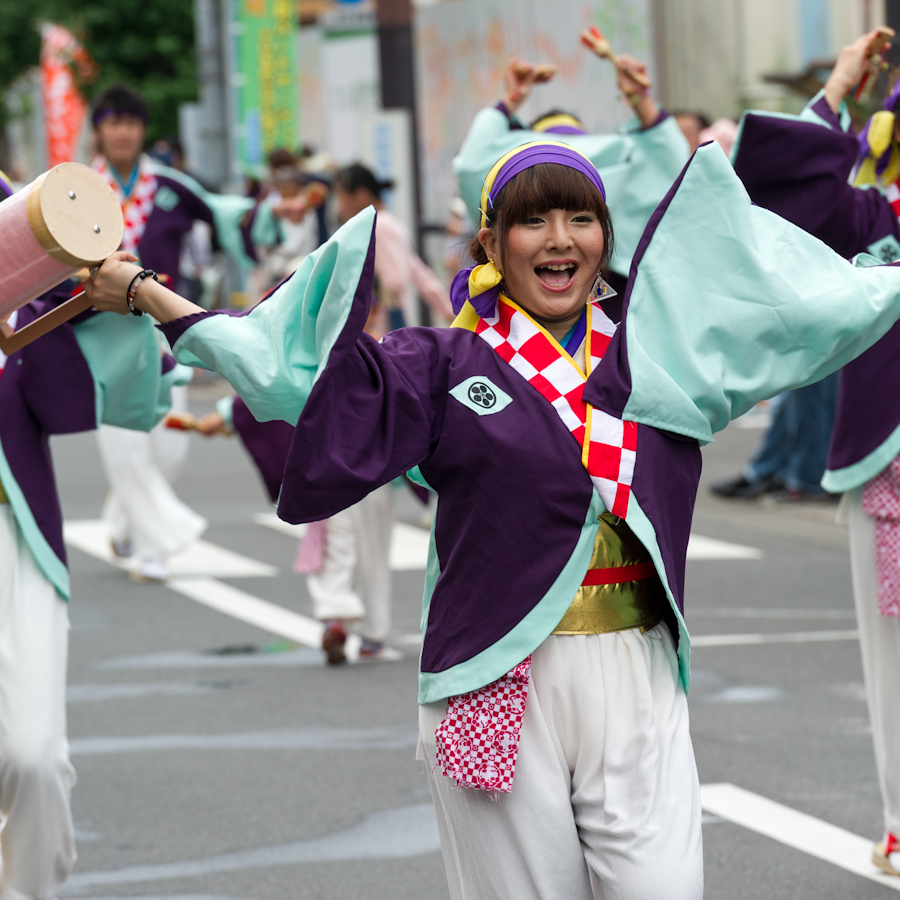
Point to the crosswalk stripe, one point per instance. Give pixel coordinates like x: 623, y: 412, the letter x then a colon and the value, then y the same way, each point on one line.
x: 409, y: 545
x: 795, y: 829
x: 264, y: 615
x: 785, y: 637
x: 91, y: 536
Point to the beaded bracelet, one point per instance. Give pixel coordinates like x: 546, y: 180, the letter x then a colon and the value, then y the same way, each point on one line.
x: 136, y: 282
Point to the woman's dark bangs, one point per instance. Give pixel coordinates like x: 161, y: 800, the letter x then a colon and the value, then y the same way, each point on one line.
x: 548, y: 186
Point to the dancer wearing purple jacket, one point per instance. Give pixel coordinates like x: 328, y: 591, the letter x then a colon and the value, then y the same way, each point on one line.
x: 844, y: 190
x: 565, y: 451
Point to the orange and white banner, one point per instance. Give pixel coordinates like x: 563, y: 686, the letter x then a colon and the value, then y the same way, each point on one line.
x: 64, y: 107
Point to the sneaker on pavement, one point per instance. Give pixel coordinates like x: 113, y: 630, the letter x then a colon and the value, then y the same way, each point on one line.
x: 741, y: 489
x: 122, y: 549
x: 886, y: 855
x: 151, y: 570
x: 371, y: 649
x: 333, y: 639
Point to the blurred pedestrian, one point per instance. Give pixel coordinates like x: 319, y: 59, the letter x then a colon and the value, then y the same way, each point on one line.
x: 791, y: 460
x: 692, y: 125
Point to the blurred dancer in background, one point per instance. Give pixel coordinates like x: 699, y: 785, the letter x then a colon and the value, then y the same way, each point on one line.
x: 145, y: 517
x: 347, y: 557
x: 56, y: 385
x: 813, y: 171
x: 638, y: 165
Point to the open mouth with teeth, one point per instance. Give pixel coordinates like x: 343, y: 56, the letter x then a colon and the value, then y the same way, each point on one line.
x: 556, y: 276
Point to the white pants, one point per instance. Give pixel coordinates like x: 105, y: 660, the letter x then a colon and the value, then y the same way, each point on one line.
x: 141, y: 467
x: 37, y: 844
x: 605, y: 802
x: 879, y: 644
x: 358, y: 538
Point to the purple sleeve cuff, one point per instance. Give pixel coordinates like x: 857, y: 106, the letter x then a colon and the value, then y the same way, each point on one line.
x: 177, y: 327
x: 168, y: 363
x: 514, y: 123
x: 825, y: 112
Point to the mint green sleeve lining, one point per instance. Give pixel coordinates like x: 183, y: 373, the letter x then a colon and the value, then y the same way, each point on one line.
x: 635, y: 186
x: 273, y: 356
x: 840, y: 480
x: 123, y: 355
x: 732, y: 304
x: 228, y: 211
x: 225, y: 408
x: 47, y: 561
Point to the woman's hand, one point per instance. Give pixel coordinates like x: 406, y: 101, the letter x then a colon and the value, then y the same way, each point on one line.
x: 211, y: 424
x: 107, y: 288
x: 852, y: 64
x: 519, y: 76
x: 645, y: 107
x: 292, y: 209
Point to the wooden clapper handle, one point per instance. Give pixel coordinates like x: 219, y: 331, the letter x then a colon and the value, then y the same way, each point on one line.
x: 10, y: 340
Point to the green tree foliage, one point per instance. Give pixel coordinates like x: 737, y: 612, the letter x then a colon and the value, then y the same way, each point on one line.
x: 147, y: 44
x: 20, y: 45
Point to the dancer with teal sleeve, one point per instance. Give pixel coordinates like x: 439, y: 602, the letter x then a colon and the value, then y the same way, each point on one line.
x: 565, y: 452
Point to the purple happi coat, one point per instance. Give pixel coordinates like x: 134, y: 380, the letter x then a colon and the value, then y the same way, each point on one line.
x: 800, y: 170
x: 699, y: 343
x: 267, y: 443
x: 60, y: 385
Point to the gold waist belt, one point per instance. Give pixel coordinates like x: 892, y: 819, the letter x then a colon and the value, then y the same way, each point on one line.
x: 621, y: 590
x: 3, y: 497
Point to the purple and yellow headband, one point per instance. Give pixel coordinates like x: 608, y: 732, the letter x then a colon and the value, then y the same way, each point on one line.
x: 527, y: 155
x: 480, y: 285
x: 6, y: 187
x: 559, y: 123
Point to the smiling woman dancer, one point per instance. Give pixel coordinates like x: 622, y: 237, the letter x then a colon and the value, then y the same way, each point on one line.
x: 565, y: 454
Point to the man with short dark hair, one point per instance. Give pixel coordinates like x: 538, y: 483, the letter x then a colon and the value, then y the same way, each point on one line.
x: 160, y: 206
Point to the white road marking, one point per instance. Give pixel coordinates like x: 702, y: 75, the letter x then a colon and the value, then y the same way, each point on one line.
x: 265, y: 615
x: 795, y: 829
x: 409, y: 545
x: 386, y: 834
x: 193, y: 660
x: 388, y: 737
x: 753, y: 612
x: 200, y: 558
x: 86, y: 693
x: 787, y: 637
x: 706, y: 548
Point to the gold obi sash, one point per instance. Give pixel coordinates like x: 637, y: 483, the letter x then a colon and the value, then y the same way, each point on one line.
x: 3, y: 497
x: 621, y: 589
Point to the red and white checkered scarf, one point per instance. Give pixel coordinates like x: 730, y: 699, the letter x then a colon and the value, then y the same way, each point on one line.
x: 478, y: 740
x: 138, y: 205
x: 881, y: 499
x: 609, y: 445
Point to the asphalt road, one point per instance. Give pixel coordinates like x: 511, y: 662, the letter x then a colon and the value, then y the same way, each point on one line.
x: 216, y: 760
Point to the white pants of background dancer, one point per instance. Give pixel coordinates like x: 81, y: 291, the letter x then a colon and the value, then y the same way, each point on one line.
x: 141, y: 506
x: 879, y: 641
x: 359, y: 538
x: 605, y: 801
x: 37, y: 844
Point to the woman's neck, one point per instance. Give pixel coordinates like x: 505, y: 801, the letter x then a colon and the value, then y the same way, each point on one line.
x: 558, y: 328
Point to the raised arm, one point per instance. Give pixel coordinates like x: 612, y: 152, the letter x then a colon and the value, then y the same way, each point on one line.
x: 730, y: 304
